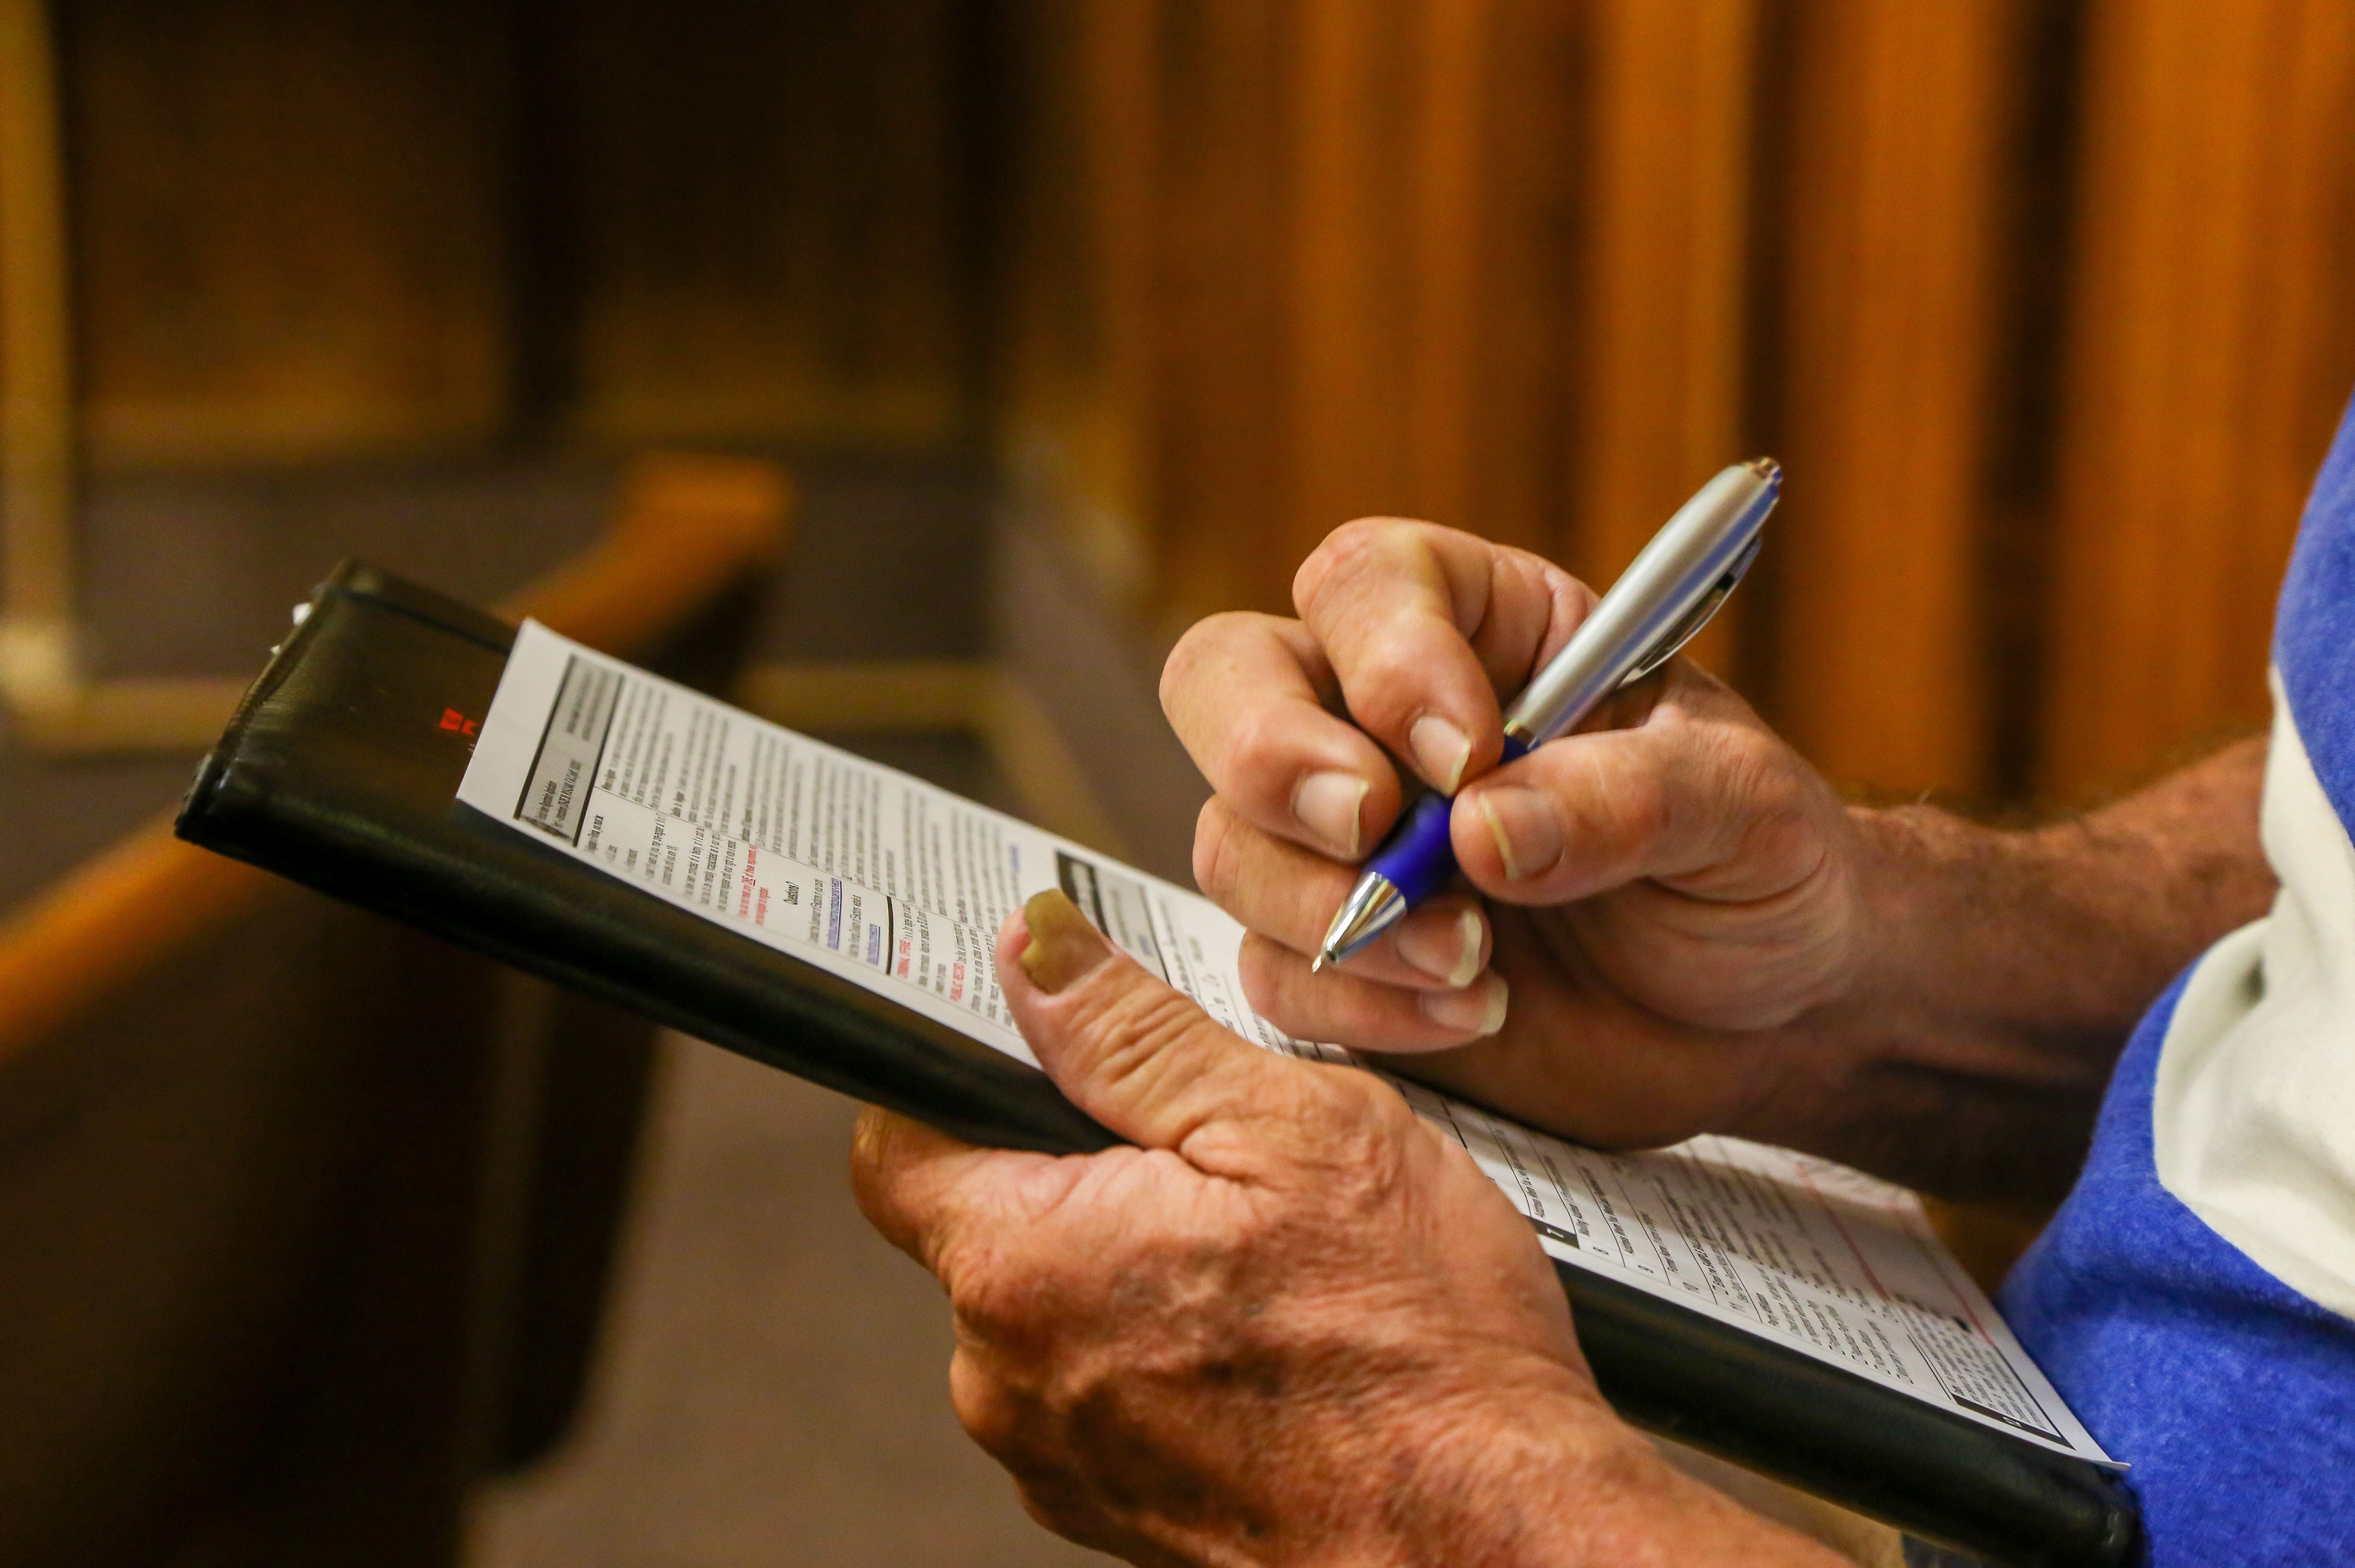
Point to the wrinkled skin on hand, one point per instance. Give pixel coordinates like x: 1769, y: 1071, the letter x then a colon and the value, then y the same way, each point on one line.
x: 1648, y: 906
x: 1292, y: 1324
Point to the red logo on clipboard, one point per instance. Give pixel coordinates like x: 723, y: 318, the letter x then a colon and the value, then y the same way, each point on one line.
x: 453, y: 720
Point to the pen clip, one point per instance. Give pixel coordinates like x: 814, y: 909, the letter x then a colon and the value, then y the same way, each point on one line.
x: 1694, y: 619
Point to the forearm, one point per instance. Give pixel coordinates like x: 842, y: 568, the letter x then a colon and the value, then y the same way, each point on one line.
x: 1551, y: 1480
x: 2002, y: 972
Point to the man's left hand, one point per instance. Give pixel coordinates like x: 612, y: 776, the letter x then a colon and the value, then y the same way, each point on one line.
x: 1286, y: 1323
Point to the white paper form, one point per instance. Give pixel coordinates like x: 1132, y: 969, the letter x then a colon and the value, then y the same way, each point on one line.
x: 901, y: 887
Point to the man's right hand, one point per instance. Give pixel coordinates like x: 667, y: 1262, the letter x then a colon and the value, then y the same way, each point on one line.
x: 1667, y: 922
x: 1648, y: 901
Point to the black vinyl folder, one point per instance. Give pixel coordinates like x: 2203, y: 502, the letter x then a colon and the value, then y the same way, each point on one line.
x: 341, y: 769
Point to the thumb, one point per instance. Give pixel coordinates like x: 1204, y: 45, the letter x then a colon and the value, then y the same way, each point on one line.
x: 1697, y: 795
x: 1128, y: 1049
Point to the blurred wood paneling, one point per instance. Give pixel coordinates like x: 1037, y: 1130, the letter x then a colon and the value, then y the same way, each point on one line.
x: 1315, y: 265
x: 1087, y: 269
x: 1658, y: 405
x: 1901, y: 118
x: 2213, y: 335
x: 287, y: 226
x: 36, y: 436
x: 1530, y: 267
x: 768, y: 202
x: 1431, y: 182
x: 351, y: 229
x: 1534, y: 269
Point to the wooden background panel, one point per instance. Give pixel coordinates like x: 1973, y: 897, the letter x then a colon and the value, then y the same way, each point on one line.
x: 1075, y: 431
x: 1532, y: 267
x: 1658, y: 392
x: 1404, y: 213
x: 287, y: 226
x: 1524, y: 173
x: 767, y: 202
x: 1351, y: 296
x: 1534, y: 174
x: 1443, y: 203
x: 1900, y: 117
x: 1217, y: 311
x: 1658, y: 399
x: 1359, y: 103
x: 356, y: 229
x: 2210, y: 356
x: 1432, y: 192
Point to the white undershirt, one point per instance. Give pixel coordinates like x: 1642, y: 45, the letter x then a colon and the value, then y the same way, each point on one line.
x: 2254, y: 1109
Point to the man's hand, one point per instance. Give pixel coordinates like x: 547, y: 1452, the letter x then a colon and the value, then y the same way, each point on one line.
x: 1658, y: 889
x: 1668, y: 923
x: 1290, y: 1325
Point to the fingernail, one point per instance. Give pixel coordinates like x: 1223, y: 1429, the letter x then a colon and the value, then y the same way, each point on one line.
x: 1441, y: 750
x: 1063, y: 946
x: 1478, y: 1009
x: 1327, y: 805
x: 1447, y: 951
x: 1527, y: 831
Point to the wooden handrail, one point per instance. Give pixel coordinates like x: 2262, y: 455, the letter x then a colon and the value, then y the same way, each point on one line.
x: 686, y: 527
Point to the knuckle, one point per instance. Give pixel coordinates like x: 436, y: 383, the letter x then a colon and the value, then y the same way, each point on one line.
x: 1256, y: 752
x: 1342, y: 1106
x: 1744, y: 777
x: 1776, y: 767
x: 1139, y: 1025
x: 1565, y: 591
x: 1363, y: 1132
x: 1386, y: 684
x: 1214, y: 851
x: 1194, y: 656
x: 997, y: 1298
x: 1002, y: 1419
x: 1348, y: 552
x: 1780, y: 828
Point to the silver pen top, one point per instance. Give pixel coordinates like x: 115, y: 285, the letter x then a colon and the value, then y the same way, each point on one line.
x: 1668, y: 594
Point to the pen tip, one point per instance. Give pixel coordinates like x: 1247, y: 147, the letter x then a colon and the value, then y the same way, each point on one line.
x: 1764, y: 467
x: 1320, y: 961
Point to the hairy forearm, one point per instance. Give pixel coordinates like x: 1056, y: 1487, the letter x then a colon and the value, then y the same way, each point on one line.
x: 1551, y: 1480
x: 2003, y: 971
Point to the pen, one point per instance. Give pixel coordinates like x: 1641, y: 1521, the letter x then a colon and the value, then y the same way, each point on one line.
x: 1668, y: 593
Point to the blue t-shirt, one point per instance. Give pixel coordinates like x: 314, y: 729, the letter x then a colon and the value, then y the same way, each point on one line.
x: 2191, y: 1299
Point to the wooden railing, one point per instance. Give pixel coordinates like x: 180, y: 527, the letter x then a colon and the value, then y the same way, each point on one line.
x: 685, y: 528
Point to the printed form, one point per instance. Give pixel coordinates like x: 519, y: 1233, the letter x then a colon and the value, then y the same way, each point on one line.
x: 901, y: 887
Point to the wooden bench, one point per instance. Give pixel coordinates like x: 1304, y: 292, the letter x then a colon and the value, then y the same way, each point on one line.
x: 306, y: 1218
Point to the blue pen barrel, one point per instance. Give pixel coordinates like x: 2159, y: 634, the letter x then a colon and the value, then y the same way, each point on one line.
x: 1417, y: 856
